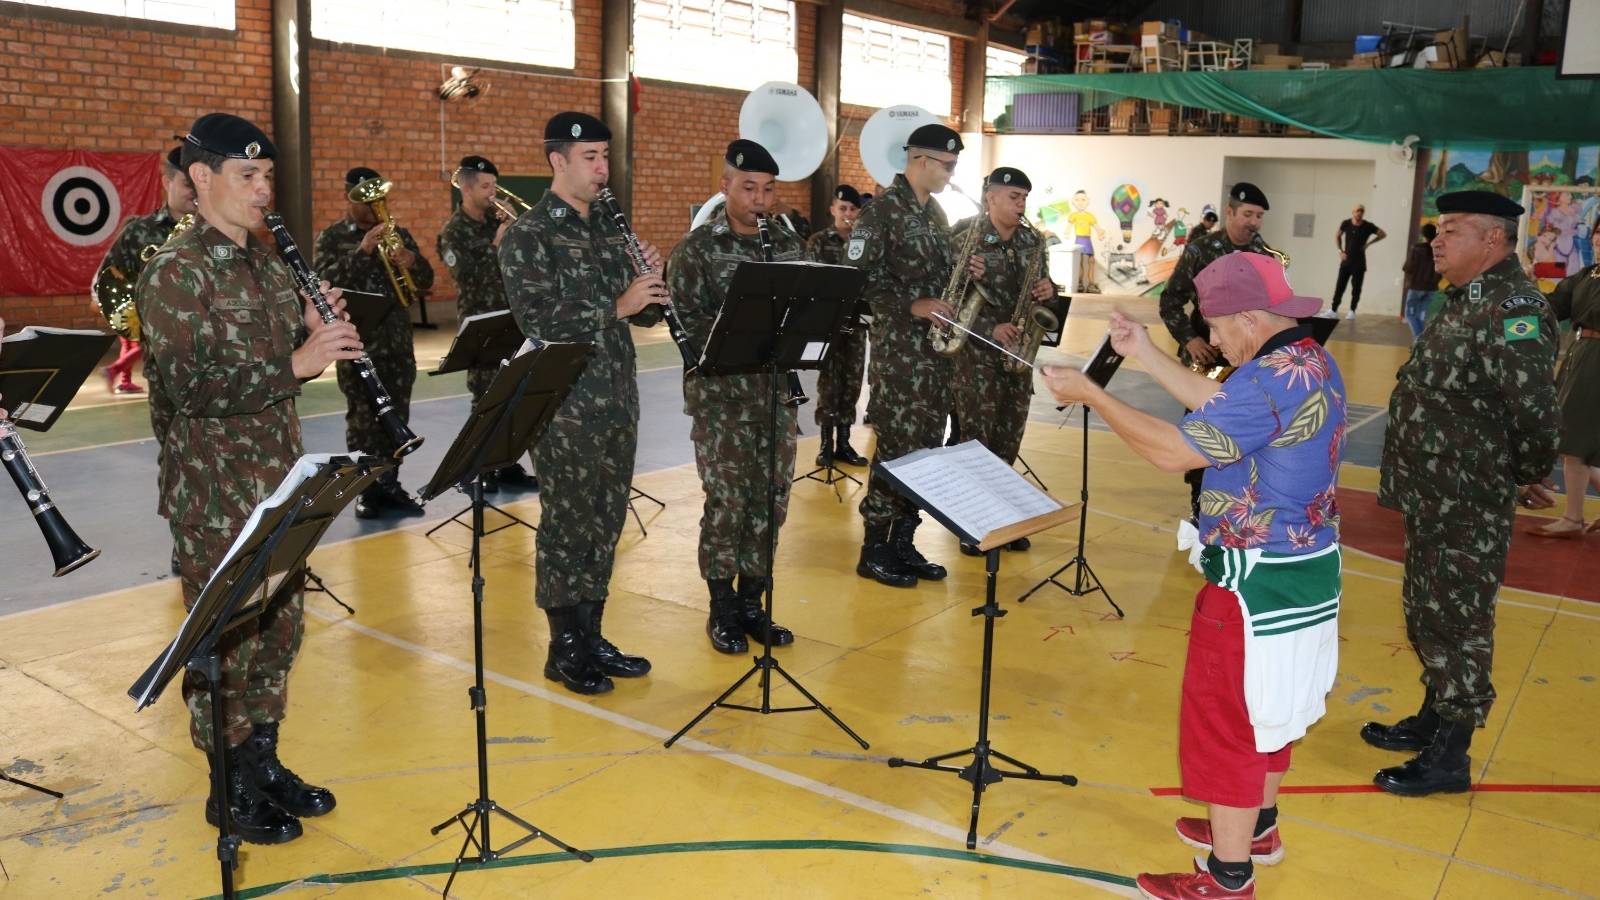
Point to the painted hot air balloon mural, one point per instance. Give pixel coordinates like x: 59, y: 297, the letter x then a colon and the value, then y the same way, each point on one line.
x: 1125, y: 204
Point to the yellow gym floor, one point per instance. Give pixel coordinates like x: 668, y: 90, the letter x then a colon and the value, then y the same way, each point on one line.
x: 786, y: 805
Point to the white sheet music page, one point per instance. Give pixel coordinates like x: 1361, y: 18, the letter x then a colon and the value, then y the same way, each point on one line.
x: 972, y: 487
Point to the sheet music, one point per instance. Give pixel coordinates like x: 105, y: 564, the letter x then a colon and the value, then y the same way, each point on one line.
x: 971, y: 487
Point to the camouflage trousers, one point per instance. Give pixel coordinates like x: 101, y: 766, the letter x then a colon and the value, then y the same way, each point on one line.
x: 1453, y: 574
x: 396, y: 365
x: 585, y: 468
x: 256, y: 656
x: 732, y: 452
x: 478, y: 381
x: 839, y: 380
x: 991, y: 403
x: 909, y: 406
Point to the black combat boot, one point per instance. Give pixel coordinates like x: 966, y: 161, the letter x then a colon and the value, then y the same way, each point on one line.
x: 1410, y: 734
x: 369, y: 503
x: 845, y: 453
x: 1019, y: 545
x: 253, y: 818
x: 901, y: 533
x: 569, y: 661
x: 516, y: 477
x: 825, y: 449
x: 604, y: 653
x: 753, y: 612
x: 273, y: 778
x: 491, y: 483
x: 724, y: 626
x: 1443, y: 767
x: 880, y: 561
x: 393, y: 496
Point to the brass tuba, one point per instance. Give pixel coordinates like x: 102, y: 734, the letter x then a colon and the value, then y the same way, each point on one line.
x: 114, y: 292
x: 1031, y: 317
x: 374, y: 192
x: 962, y: 294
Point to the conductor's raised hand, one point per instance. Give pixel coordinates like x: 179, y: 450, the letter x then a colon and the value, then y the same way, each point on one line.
x: 1066, y: 384
x: 1128, y: 337
x: 645, y: 290
x: 327, y: 344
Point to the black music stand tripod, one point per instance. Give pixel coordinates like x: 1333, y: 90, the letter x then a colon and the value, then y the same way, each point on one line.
x: 275, y: 546
x: 830, y: 474
x: 778, y: 316
x: 513, y: 413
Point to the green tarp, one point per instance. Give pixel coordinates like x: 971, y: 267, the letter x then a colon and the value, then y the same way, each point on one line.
x: 1492, y: 108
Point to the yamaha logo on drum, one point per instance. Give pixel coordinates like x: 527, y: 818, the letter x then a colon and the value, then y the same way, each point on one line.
x: 904, y: 113
x: 786, y: 92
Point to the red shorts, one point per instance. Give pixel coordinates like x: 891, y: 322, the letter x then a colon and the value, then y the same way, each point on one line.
x: 1216, y: 743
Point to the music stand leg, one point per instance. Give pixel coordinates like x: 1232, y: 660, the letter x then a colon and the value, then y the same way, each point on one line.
x: 315, y: 585
x: 1084, y: 581
x: 30, y: 785
x: 210, y: 668
x: 474, y: 819
x: 636, y: 494
x: 831, y: 474
x: 766, y: 664
x: 981, y: 772
x: 1028, y: 472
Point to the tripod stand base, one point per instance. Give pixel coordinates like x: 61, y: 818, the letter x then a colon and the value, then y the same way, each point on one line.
x: 314, y: 585
x: 1084, y: 583
x: 766, y: 665
x: 472, y: 821
x: 830, y: 475
x: 636, y: 494
x: 980, y: 774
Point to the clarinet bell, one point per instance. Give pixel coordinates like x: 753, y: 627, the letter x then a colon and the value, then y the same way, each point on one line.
x: 66, y: 548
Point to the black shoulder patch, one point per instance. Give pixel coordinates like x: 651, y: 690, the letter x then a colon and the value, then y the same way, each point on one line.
x: 1522, y: 301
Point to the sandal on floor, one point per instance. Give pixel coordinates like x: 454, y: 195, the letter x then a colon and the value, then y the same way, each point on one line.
x: 1551, y: 531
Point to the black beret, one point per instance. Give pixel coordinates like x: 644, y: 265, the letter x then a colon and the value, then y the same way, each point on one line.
x: 359, y: 174
x: 1485, y: 202
x: 1245, y: 192
x: 174, y: 158
x: 575, y: 126
x: 1005, y: 176
x: 230, y: 136
x: 749, y: 156
x: 478, y: 164
x: 848, y: 194
x: 935, y: 137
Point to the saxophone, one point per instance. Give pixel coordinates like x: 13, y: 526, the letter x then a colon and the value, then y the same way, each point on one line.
x: 1032, y: 318
x: 1260, y: 243
x: 114, y: 292
x: 962, y: 294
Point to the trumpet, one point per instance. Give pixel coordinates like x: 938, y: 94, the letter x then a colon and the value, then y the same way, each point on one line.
x: 507, y: 204
x: 378, y: 395
x: 797, y: 392
x: 66, y: 548
x: 374, y: 192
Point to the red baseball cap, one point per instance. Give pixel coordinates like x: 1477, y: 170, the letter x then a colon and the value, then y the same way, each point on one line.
x: 1244, y: 281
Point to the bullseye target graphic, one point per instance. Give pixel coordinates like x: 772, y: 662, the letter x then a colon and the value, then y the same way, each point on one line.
x: 81, y: 206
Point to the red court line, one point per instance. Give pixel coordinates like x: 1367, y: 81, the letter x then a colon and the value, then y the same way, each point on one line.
x: 1373, y: 789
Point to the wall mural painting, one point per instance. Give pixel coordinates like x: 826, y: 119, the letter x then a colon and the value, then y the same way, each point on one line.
x: 1135, y: 256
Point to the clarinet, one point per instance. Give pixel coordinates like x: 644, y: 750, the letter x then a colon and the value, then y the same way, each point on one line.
x: 797, y: 391
x: 691, y: 356
x: 377, y: 394
x: 66, y: 548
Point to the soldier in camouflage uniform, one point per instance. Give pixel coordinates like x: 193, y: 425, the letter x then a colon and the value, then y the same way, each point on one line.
x: 839, y: 379
x: 347, y: 255
x: 991, y: 402
x: 1180, y: 304
x: 229, y: 343
x: 733, y: 413
x: 469, y: 245
x: 1473, y: 417
x: 568, y: 277
x: 126, y: 256
x: 903, y: 242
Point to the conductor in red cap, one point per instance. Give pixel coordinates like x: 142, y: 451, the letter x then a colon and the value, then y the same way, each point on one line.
x: 1263, y: 636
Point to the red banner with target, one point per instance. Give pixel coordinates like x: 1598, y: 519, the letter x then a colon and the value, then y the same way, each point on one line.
x: 60, y: 210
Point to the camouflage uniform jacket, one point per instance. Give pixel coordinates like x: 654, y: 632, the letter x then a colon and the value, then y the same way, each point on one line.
x: 220, y: 322
x: 339, y: 259
x: 904, y: 248
x: 467, y: 248
x: 1005, y: 264
x: 137, y: 233
x: 698, y: 276
x: 826, y: 246
x: 1179, y: 295
x: 563, y: 274
x: 1475, y: 404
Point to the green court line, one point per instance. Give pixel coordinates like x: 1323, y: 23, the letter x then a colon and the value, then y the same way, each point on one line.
x: 512, y: 862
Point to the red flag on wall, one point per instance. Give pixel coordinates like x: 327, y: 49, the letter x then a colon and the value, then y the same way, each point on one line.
x: 60, y: 210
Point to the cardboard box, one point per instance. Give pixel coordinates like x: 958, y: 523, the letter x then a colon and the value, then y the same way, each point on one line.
x: 1034, y: 36
x: 1159, y: 29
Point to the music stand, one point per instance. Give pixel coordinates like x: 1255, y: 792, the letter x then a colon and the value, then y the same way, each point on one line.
x: 831, y: 474
x: 779, y: 316
x: 482, y: 341
x: 274, y: 542
x: 1026, y: 511
x: 315, y: 585
x: 515, y: 410
x: 1100, y: 368
x: 1061, y: 306
x: 635, y: 494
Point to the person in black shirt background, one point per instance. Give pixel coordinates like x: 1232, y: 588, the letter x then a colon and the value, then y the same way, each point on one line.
x: 1354, y: 236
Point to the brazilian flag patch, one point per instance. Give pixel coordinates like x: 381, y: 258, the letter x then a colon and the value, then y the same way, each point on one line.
x: 1522, y: 328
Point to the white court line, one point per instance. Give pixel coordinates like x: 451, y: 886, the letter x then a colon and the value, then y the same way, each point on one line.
x: 839, y: 795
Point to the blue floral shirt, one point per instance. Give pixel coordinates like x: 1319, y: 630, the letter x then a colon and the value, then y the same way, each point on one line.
x: 1274, y: 433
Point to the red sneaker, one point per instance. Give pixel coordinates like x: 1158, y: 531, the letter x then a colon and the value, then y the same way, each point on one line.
x: 1198, y: 885
x: 1265, y: 850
